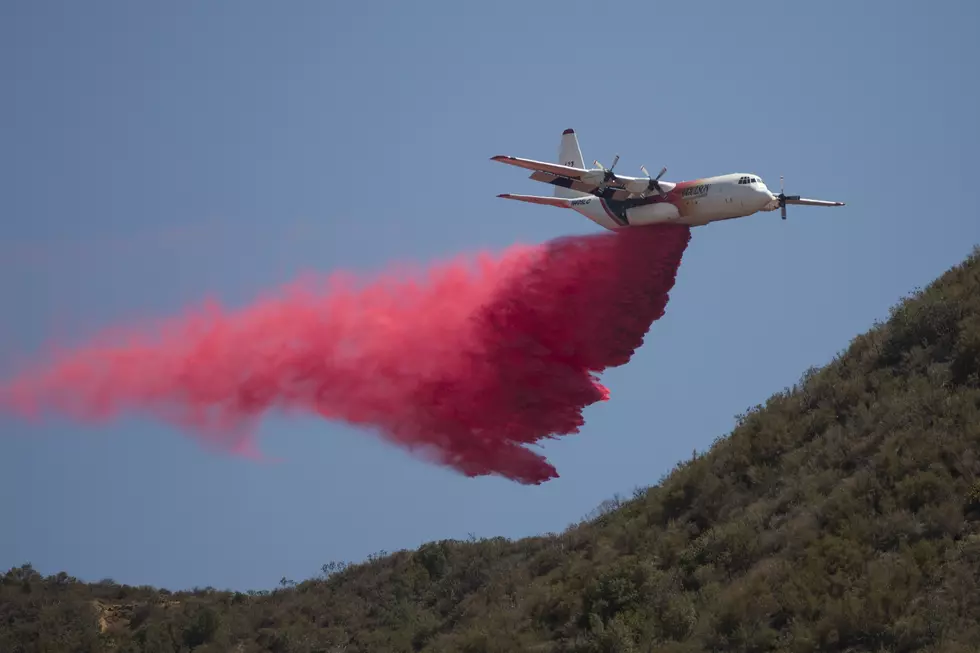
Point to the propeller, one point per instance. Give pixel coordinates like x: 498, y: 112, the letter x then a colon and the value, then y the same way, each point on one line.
x: 782, y: 197
x: 609, y: 175
x: 654, y: 183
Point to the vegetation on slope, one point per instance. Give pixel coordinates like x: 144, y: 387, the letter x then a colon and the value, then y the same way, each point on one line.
x: 841, y: 516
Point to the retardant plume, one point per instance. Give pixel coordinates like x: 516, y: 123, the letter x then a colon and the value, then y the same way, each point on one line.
x: 467, y: 363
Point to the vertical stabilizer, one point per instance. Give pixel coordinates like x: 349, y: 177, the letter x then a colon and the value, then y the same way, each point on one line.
x: 569, y: 154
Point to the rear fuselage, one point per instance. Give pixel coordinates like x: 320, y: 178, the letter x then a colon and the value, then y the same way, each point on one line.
x: 691, y: 203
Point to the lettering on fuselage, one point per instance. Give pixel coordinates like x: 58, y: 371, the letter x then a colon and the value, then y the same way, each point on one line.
x: 581, y: 202
x: 695, y: 191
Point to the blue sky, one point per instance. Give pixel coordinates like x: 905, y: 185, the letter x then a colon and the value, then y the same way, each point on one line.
x: 158, y: 154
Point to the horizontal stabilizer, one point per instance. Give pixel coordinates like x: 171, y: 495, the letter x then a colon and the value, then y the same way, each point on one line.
x: 560, y: 202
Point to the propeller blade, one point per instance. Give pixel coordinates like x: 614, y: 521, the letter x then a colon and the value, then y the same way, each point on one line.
x: 654, y: 181
x: 782, y: 198
x: 615, y: 161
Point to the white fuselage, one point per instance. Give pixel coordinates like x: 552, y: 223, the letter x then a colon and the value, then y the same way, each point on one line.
x: 691, y: 203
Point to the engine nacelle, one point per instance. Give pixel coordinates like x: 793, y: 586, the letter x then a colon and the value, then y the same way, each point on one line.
x: 593, y: 177
x: 638, y: 186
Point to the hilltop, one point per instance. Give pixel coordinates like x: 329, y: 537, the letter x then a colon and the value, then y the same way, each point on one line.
x: 841, y: 515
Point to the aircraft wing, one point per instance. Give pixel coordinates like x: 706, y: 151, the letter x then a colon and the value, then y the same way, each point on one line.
x: 611, y: 192
x: 560, y: 202
x: 531, y: 164
x: 808, y: 202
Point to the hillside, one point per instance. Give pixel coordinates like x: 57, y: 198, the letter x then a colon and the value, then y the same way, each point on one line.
x: 843, y: 515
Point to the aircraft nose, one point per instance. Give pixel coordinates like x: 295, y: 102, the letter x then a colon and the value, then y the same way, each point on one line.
x: 765, y: 195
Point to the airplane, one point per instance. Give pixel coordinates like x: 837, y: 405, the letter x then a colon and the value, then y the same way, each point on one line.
x: 616, y: 201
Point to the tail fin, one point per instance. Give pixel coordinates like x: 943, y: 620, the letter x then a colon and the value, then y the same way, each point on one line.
x: 569, y: 154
